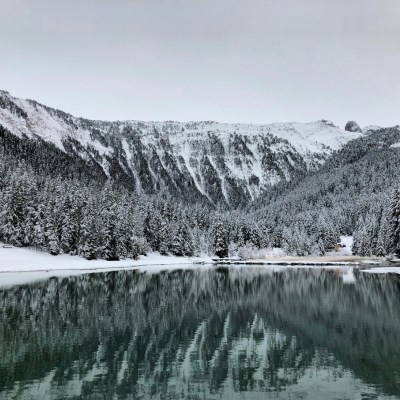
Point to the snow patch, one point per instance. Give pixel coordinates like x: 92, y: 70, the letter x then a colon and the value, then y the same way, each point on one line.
x: 23, y: 265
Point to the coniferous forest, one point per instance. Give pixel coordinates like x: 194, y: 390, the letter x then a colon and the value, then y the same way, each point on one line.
x: 59, y: 203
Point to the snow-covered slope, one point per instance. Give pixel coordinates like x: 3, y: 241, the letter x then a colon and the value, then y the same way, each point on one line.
x: 225, y: 163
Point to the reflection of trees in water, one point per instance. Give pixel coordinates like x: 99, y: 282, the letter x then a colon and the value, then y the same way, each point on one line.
x: 193, y: 332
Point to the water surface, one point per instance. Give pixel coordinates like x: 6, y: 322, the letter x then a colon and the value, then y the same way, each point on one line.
x: 238, y: 333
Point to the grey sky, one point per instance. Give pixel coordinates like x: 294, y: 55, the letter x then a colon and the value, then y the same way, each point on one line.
x: 227, y: 60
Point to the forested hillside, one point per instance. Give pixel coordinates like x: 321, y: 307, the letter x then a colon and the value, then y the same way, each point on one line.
x: 57, y: 205
x: 58, y: 194
x: 351, y: 194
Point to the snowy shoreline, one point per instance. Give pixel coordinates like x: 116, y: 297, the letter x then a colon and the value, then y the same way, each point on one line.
x: 25, y: 265
x: 17, y: 259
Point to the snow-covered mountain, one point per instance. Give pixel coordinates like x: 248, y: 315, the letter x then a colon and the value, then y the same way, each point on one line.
x: 224, y: 163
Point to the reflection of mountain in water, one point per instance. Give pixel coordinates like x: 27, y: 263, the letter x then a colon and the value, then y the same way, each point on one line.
x: 198, y: 334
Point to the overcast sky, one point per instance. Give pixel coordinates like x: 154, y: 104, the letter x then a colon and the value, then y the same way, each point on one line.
x: 255, y: 61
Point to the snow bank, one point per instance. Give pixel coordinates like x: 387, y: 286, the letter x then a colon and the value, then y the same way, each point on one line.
x: 23, y: 265
x: 27, y: 260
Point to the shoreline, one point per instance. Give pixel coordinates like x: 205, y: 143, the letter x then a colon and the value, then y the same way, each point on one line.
x: 26, y: 265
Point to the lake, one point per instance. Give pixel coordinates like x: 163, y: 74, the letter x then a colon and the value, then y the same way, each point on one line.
x: 206, y: 333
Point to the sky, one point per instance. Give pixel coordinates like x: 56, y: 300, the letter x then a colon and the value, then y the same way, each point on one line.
x: 257, y: 61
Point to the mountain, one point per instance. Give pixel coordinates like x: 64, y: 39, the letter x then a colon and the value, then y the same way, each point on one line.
x: 220, y: 163
x: 350, y: 194
x: 289, y: 185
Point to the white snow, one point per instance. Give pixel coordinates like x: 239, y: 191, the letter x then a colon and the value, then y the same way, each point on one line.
x: 347, y: 240
x: 41, y: 123
x: 23, y: 265
x: 343, y: 251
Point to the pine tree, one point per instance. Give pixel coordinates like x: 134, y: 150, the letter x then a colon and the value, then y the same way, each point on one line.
x: 10, y: 228
x: 358, y: 236
x: 52, y: 239
x: 135, y: 247
x: 87, y: 242
x: 220, y: 240
x: 380, y: 247
x: 395, y: 222
x: 110, y: 234
x: 165, y: 237
x: 39, y: 231
x: 66, y: 231
x: 182, y: 242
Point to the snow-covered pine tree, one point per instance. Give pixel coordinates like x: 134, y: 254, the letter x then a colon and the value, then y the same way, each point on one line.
x: 109, y: 234
x: 88, y: 233
x: 39, y: 231
x: 151, y: 229
x: 135, y: 247
x: 255, y: 238
x: 53, y: 245
x: 165, y: 236
x: 220, y: 239
x: 358, y: 236
x: 11, y: 215
x: 9, y: 227
x: 182, y: 242
x: 395, y: 222
x: 66, y: 227
x: 380, y: 250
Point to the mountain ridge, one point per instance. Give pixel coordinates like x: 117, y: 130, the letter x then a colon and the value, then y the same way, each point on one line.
x: 223, y: 163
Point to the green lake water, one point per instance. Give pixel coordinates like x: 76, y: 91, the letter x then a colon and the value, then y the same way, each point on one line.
x: 206, y: 333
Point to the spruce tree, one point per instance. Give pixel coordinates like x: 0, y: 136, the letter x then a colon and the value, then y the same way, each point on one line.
x: 220, y: 240
x: 39, y: 231
x: 395, y: 222
x: 53, y: 245
x: 10, y: 228
x: 87, y: 242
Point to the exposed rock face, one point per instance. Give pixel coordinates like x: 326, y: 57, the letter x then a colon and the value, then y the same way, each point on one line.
x: 352, y: 126
x: 227, y: 164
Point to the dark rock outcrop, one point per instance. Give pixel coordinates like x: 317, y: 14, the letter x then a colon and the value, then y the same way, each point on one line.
x: 352, y: 126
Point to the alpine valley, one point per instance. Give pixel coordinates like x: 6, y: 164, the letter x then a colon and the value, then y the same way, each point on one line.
x: 118, y: 189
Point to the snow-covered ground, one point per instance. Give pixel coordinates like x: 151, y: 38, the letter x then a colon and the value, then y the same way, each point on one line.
x: 348, y: 242
x: 18, y: 259
x: 22, y: 265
